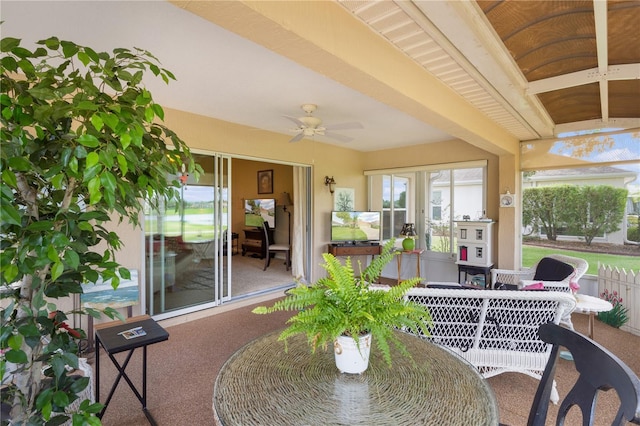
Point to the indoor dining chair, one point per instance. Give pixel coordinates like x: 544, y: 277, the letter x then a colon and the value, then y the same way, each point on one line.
x: 271, y: 247
x: 599, y: 370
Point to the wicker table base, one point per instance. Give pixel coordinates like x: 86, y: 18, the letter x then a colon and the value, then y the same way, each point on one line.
x: 261, y: 384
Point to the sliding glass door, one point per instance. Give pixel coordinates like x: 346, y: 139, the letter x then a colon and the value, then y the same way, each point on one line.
x: 188, y: 243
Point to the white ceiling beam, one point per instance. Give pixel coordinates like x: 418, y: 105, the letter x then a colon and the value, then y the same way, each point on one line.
x: 600, y: 18
x: 612, y: 123
x: 604, y: 100
x: 579, y: 78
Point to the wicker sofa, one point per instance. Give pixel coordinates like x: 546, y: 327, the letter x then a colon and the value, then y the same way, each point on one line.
x: 494, y: 330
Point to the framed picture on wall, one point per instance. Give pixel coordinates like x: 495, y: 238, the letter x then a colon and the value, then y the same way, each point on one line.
x: 265, y: 182
x: 344, y: 199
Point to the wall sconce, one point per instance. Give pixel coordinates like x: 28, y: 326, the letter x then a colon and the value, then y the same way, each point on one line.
x: 329, y: 181
x: 409, y: 232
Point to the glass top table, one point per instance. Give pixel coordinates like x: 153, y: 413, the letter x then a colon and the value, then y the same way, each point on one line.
x: 263, y: 384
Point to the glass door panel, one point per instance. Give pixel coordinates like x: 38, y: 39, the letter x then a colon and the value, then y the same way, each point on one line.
x: 186, y: 244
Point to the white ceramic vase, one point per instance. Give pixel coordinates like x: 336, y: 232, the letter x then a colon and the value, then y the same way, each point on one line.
x: 349, y: 357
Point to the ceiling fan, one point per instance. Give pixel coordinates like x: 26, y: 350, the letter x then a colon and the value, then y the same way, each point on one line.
x: 309, y: 126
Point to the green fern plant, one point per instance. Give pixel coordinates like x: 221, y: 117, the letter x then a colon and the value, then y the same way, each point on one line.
x: 345, y: 304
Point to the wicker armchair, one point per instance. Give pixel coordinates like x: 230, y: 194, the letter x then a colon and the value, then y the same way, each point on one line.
x: 548, y: 270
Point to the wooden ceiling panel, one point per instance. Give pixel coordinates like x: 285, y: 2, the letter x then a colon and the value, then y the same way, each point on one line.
x: 558, y: 57
x: 573, y: 104
x: 624, y: 45
x: 624, y: 98
x: 546, y: 39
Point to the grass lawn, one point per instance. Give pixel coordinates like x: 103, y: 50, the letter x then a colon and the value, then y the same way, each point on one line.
x: 531, y: 254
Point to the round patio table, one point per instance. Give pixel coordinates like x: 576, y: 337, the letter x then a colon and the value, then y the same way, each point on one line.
x: 261, y: 384
x: 591, y: 305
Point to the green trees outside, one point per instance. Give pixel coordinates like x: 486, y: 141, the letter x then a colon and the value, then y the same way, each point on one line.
x: 82, y: 145
x: 597, y: 210
x: 546, y: 209
x: 586, y: 211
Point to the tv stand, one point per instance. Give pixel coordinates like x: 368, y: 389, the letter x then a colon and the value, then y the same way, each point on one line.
x: 355, y: 249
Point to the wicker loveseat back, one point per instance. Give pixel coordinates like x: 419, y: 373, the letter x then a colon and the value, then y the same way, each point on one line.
x: 494, y: 330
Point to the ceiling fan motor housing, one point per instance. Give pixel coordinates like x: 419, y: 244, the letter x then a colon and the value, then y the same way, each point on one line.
x: 310, y: 122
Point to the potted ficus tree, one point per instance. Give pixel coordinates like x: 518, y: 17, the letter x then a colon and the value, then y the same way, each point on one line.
x: 82, y: 147
x: 345, y: 311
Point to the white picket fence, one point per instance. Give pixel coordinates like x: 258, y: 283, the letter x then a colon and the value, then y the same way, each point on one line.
x: 627, y: 285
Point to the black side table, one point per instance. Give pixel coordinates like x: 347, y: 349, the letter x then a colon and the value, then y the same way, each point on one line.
x: 109, y: 336
x: 475, y: 270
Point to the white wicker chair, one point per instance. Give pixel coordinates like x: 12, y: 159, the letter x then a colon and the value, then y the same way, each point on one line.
x: 522, y: 277
x: 494, y: 330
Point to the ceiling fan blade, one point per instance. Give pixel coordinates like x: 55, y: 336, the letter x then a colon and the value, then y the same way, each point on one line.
x: 295, y: 120
x: 345, y: 126
x: 341, y: 138
x: 297, y: 137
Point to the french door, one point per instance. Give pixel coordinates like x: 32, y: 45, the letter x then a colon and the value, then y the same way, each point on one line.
x: 188, y: 243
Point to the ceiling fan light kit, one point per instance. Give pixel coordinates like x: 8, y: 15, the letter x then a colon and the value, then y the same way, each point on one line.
x: 310, y: 126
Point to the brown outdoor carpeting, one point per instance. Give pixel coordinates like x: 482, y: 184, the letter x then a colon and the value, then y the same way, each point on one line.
x: 182, y: 371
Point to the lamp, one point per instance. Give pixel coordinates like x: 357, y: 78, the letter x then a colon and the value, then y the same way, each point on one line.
x: 409, y: 232
x: 285, y: 200
x: 329, y: 181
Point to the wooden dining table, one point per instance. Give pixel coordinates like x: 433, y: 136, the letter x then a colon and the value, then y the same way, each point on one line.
x: 262, y: 383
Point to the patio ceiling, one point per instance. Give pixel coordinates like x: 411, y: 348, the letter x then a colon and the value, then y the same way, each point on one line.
x: 491, y: 73
x: 538, y: 68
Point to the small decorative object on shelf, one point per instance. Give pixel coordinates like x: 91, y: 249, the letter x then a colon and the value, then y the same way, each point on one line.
x: 474, y: 238
x: 409, y: 232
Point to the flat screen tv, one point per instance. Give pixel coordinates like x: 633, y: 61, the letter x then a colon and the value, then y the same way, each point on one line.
x: 355, y: 227
x: 258, y: 210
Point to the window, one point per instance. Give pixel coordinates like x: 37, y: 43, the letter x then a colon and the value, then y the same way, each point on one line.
x: 432, y: 197
x: 394, y: 205
x: 451, y: 194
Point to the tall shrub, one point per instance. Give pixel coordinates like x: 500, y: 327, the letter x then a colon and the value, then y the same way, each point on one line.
x: 82, y: 145
x: 547, y: 208
x: 597, y: 210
